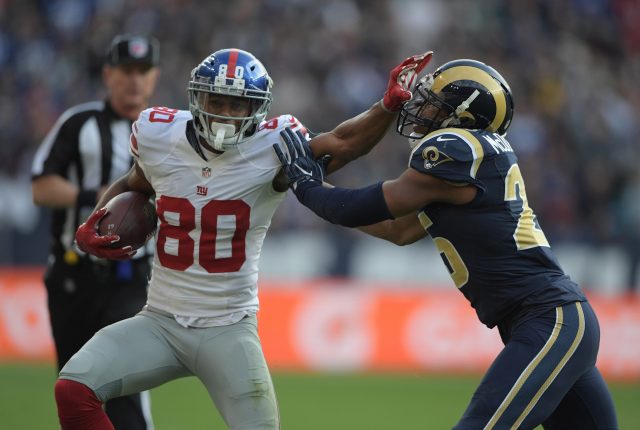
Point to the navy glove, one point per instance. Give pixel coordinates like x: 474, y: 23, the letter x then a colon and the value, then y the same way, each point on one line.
x: 301, y: 168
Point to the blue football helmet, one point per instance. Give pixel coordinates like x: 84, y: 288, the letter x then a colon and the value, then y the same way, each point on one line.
x: 229, y: 72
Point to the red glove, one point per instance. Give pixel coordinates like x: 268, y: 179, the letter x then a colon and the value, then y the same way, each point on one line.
x: 89, y: 240
x: 401, y: 81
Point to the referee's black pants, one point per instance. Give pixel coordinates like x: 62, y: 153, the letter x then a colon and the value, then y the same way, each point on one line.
x: 87, y: 296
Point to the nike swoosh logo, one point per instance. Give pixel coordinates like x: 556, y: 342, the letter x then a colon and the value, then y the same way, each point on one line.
x: 306, y: 172
x: 441, y: 138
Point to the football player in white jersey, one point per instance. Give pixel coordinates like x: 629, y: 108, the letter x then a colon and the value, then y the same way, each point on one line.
x: 216, y: 183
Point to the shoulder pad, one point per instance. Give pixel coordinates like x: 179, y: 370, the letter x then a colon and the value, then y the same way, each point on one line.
x: 155, y: 132
x: 446, y: 151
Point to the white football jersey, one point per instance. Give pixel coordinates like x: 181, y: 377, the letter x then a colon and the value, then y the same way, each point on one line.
x: 212, y: 215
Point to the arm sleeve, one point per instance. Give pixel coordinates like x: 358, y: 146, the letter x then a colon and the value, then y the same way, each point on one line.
x: 346, y: 207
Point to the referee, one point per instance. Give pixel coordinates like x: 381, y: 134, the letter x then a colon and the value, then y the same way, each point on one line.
x: 84, y: 152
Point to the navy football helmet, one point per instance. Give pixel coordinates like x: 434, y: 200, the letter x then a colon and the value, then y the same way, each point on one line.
x: 465, y: 94
x: 229, y: 72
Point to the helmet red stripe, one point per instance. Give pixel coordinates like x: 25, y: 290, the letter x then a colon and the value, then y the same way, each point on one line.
x: 231, y: 67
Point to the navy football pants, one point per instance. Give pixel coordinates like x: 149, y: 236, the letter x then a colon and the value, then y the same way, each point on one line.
x: 545, y: 375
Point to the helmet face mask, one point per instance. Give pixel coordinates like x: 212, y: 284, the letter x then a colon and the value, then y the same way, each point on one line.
x: 230, y: 73
x: 423, y: 113
x: 461, y: 93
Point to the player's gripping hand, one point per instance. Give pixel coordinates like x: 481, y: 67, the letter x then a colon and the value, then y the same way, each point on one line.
x: 90, y: 241
x: 301, y: 168
x: 401, y: 80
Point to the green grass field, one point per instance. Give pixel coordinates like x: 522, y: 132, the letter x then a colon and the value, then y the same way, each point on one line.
x: 307, y: 401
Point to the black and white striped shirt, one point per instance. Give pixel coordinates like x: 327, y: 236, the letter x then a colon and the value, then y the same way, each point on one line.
x: 88, y: 146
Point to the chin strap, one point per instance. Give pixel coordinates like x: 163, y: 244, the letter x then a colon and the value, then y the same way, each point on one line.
x: 462, y: 107
x: 454, y: 119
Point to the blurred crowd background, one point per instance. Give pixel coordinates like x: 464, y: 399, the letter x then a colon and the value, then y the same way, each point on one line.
x: 573, y: 66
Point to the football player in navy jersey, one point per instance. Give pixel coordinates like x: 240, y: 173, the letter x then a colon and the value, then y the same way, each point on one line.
x: 463, y: 187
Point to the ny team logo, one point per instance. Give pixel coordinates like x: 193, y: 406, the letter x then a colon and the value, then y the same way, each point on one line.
x: 201, y: 191
x: 206, y: 172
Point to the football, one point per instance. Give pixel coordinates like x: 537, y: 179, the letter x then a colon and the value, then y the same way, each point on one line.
x: 132, y: 216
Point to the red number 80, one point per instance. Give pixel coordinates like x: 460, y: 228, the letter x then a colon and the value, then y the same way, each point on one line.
x: 209, y: 226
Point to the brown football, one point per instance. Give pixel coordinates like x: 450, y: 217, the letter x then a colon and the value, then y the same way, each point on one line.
x: 132, y: 216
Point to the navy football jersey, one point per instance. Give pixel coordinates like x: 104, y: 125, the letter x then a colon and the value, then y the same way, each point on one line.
x: 493, y: 247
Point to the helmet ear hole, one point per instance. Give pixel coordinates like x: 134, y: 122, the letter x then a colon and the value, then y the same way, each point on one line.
x: 466, y: 120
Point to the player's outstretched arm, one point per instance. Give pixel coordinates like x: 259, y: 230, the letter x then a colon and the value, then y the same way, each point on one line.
x: 399, y: 231
x: 357, y: 136
x: 407, y: 194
